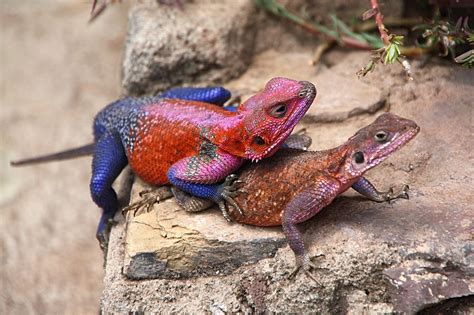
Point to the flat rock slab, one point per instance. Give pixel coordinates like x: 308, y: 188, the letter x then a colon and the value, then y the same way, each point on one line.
x: 408, y: 256
x: 340, y: 94
x: 167, y: 242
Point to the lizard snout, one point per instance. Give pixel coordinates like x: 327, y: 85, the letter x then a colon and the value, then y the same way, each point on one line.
x: 308, y: 90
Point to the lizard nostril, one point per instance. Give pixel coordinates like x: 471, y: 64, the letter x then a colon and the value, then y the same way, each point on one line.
x: 302, y: 93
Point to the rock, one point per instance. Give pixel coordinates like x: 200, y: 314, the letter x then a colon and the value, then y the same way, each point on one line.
x: 170, y: 243
x: 216, y: 40
x: 377, y: 257
x: 206, y: 41
x: 340, y: 94
x: 424, y: 280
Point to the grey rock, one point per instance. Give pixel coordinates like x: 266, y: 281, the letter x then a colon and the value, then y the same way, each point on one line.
x: 206, y: 41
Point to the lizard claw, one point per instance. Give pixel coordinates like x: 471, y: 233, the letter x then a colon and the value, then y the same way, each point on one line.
x: 224, y: 211
x: 230, y: 189
x: 103, y: 236
x: 403, y: 193
x: 304, y: 263
x: 149, y: 198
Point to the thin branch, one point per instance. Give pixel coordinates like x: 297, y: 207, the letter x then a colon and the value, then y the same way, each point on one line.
x: 388, y: 21
x: 320, y: 51
x: 379, y: 21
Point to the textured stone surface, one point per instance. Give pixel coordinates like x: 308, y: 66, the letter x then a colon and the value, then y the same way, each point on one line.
x: 206, y: 41
x: 214, y: 40
x: 376, y: 256
x: 340, y: 94
x: 170, y: 243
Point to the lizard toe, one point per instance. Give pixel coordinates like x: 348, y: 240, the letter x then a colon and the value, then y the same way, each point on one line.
x: 224, y: 211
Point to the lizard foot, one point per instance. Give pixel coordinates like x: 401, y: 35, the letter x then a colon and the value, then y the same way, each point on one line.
x: 299, y: 140
x: 230, y: 189
x: 103, y: 235
x: 403, y: 193
x: 304, y: 263
x: 149, y: 198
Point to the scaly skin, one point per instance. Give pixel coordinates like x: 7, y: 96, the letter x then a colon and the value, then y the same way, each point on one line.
x: 294, y: 185
x: 175, y: 138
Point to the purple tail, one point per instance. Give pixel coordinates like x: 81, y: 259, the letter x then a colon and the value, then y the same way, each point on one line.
x: 84, y: 150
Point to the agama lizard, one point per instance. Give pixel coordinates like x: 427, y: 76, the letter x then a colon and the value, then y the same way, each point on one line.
x: 182, y: 138
x: 294, y: 185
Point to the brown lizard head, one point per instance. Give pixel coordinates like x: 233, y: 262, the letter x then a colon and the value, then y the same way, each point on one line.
x: 270, y: 115
x: 375, y: 142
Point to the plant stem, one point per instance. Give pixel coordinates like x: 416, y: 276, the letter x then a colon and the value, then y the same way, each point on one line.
x: 378, y: 20
x: 389, y: 21
x: 320, y: 51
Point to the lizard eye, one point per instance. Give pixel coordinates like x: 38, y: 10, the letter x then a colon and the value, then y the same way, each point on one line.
x: 381, y: 136
x: 359, y: 157
x: 258, y: 140
x: 278, y: 111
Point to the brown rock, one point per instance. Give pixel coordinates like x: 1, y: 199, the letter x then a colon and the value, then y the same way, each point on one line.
x: 170, y: 243
x: 368, y: 247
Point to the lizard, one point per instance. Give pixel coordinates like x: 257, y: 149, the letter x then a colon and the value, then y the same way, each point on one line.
x: 182, y: 137
x: 294, y: 185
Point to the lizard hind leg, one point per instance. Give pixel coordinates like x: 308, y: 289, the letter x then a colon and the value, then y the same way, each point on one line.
x: 108, y: 162
x: 304, y: 205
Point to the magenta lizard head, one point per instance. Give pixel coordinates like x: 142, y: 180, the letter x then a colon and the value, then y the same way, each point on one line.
x: 375, y: 142
x: 270, y: 115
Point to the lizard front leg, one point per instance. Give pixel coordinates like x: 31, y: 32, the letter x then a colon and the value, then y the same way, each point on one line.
x: 298, y: 140
x: 302, y: 207
x: 199, y: 174
x: 365, y: 188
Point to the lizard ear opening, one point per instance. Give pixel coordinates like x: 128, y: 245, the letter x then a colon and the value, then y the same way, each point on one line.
x: 359, y: 157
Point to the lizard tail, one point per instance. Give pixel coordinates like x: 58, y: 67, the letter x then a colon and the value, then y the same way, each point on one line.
x: 84, y: 150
